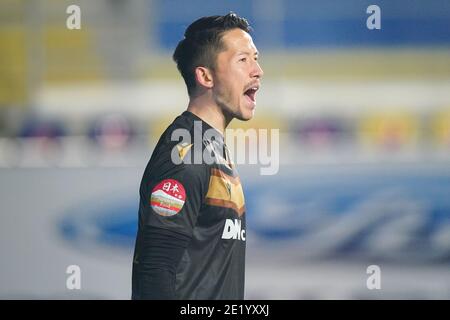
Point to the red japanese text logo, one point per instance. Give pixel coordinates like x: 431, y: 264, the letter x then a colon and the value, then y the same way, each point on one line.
x: 168, y: 197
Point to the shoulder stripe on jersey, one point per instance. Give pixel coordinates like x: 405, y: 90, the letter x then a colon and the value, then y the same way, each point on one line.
x: 219, y: 173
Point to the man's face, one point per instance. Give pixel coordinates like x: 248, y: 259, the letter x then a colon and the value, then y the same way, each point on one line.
x: 237, y: 75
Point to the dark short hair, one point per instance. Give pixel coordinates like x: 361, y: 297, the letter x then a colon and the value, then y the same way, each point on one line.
x: 202, y: 42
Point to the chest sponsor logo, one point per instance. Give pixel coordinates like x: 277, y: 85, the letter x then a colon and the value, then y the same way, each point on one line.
x: 233, y: 230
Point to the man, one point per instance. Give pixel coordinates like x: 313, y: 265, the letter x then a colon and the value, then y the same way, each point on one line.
x: 191, y: 234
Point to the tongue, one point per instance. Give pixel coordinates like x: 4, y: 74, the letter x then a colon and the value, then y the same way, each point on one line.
x: 250, y: 94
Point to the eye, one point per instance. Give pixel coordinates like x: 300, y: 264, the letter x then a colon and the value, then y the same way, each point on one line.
x: 243, y: 59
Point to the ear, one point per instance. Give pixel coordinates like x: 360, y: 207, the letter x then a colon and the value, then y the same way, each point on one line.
x: 204, y: 77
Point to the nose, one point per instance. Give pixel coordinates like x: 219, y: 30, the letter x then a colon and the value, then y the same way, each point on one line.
x: 257, y: 71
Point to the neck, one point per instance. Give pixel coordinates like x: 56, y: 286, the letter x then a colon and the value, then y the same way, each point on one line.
x: 210, y: 112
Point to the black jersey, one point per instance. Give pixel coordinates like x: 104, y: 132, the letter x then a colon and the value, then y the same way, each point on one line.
x: 192, y: 189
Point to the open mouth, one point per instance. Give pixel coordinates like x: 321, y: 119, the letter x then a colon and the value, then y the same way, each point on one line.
x: 251, y: 93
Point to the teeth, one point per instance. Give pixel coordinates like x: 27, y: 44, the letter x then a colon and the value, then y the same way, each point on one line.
x: 253, y: 89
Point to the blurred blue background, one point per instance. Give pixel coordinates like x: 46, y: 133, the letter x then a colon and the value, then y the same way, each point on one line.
x: 364, y: 120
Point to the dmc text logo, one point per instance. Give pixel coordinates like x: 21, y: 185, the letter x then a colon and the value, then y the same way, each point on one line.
x: 233, y: 230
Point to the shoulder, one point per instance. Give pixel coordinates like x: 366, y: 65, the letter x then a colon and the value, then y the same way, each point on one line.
x: 177, y: 152
x: 183, y: 142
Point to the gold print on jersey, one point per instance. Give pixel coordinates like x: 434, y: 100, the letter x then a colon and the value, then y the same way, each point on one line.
x: 183, y: 149
x: 225, y: 191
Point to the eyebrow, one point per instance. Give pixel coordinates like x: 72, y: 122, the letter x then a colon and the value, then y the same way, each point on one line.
x: 248, y: 53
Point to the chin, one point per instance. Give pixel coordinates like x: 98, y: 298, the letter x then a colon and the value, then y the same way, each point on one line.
x: 245, y: 114
x: 249, y: 115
